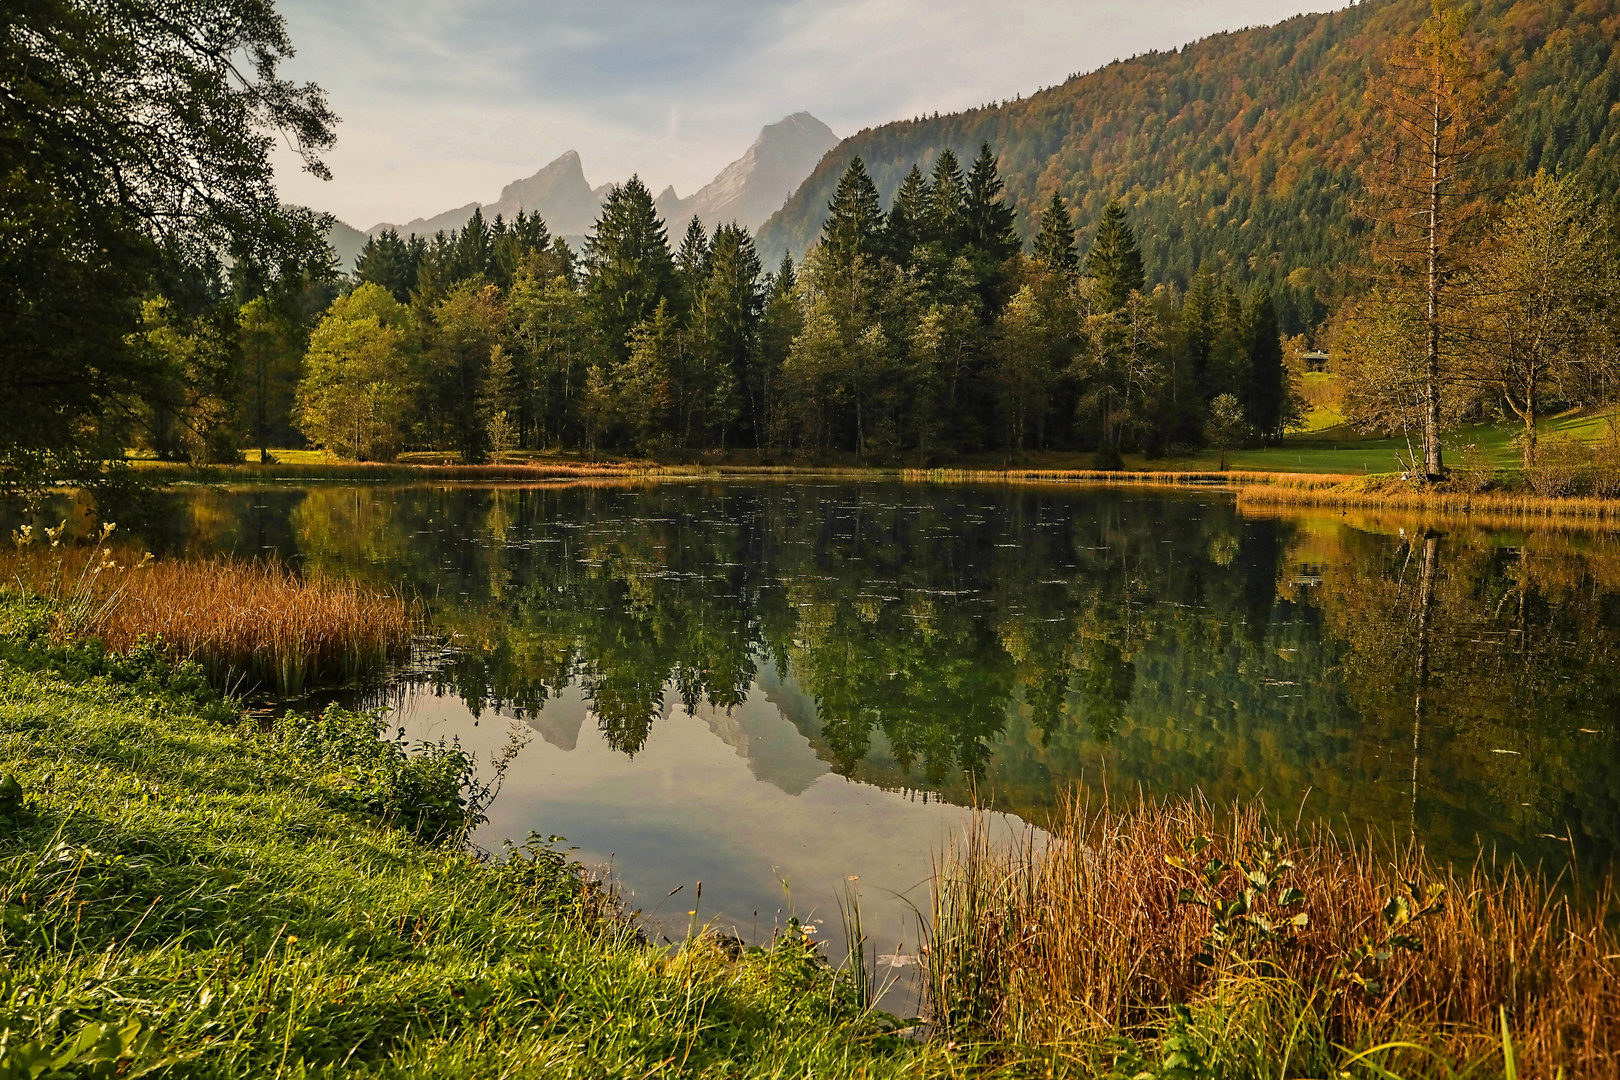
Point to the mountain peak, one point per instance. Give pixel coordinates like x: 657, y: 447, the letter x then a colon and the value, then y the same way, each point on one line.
x: 754, y: 186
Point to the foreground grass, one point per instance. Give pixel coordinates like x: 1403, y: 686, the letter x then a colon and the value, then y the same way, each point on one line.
x: 183, y: 895
x: 1250, y: 950
x: 248, y: 625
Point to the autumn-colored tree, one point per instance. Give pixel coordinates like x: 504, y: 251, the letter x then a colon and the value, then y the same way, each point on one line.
x: 1441, y: 102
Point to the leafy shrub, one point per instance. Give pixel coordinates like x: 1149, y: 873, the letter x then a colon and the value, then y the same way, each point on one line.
x: 1477, y: 472
x: 1606, y: 464
x: 431, y: 789
x: 1557, y: 466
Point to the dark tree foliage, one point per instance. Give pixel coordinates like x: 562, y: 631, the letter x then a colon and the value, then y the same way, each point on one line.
x: 1054, y: 244
x: 854, y: 226
x: 388, y: 261
x: 1267, y: 385
x: 134, y: 145
x: 907, y: 223
x: 628, y: 268
x: 692, y: 261
x: 987, y: 218
x: 733, y: 304
x: 1114, y: 260
x: 946, y: 204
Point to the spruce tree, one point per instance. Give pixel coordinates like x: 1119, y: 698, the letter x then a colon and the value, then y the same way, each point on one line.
x: 987, y: 219
x: 907, y: 223
x: 386, y: 260
x: 1054, y: 245
x: 693, y: 259
x: 855, y: 220
x: 732, y: 306
x: 1266, y: 392
x: 1114, y: 260
x: 945, y: 204
x: 470, y: 249
x: 628, y: 266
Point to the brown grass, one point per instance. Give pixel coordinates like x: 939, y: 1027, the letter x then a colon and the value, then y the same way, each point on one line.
x: 1064, y: 942
x: 1393, y: 494
x: 250, y: 625
x: 1288, y: 480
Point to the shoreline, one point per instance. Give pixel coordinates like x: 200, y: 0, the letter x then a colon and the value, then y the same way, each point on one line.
x: 1254, y: 490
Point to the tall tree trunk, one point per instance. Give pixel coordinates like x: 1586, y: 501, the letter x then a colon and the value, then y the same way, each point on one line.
x: 1433, y: 466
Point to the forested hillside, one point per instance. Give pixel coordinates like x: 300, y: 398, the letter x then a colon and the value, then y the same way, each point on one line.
x: 1242, y: 151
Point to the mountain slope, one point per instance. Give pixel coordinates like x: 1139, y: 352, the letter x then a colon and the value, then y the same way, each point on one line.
x: 754, y: 186
x: 746, y: 191
x: 1242, y: 150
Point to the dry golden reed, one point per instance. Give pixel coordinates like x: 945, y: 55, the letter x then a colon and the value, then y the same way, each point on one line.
x: 249, y: 625
x: 1063, y: 941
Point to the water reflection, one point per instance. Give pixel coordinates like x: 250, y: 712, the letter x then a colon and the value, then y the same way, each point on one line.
x: 1004, y: 643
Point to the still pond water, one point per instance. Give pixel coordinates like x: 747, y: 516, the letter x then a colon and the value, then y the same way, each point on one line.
x: 774, y: 688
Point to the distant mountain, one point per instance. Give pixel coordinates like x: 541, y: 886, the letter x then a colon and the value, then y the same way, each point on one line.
x: 753, y: 187
x: 746, y: 191
x: 347, y: 241
x: 1242, y: 150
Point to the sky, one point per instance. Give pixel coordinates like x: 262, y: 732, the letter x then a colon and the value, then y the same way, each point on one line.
x: 443, y: 103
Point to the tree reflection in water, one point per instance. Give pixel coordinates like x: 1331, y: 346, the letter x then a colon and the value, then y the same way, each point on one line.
x: 1001, y: 643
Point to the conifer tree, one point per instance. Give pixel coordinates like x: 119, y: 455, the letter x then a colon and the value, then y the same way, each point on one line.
x: 945, y: 203
x: 732, y: 305
x: 854, y: 220
x: 1054, y: 244
x: 1114, y: 260
x: 987, y: 219
x: 692, y: 261
x: 907, y: 223
x: 471, y: 249
x: 1267, y: 389
x: 628, y: 266
x: 386, y: 260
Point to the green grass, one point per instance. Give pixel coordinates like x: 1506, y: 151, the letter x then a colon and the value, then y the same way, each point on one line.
x: 185, y: 894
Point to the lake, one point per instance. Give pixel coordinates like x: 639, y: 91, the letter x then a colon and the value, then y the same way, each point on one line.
x: 773, y: 688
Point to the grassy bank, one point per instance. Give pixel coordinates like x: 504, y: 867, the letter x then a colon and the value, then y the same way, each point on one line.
x: 186, y: 895
x: 183, y: 892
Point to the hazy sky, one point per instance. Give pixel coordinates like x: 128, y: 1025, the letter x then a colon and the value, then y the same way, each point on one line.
x: 443, y: 103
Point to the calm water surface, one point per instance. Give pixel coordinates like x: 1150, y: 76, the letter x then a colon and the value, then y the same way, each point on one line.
x: 773, y: 688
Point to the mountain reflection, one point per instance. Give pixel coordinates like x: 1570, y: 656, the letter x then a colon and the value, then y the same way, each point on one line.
x: 1003, y: 643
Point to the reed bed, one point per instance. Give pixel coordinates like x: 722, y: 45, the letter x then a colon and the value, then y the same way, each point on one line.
x: 1286, y: 480
x: 1391, y: 494
x: 249, y: 625
x: 1094, y: 932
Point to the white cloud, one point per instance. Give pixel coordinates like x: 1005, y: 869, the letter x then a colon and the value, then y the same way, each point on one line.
x: 443, y: 104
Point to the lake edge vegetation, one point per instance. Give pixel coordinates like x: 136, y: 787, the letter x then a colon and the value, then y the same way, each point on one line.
x: 191, y: 891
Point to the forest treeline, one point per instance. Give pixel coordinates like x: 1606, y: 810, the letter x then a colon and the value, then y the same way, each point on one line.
x: 912, y: 332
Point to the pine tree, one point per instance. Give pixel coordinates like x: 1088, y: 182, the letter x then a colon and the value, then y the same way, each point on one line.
x: 907, y: 223
x: 1267, y: 388
x: 628, y: 266
x: 1114, y: 260
x: 986, y: 216
x: 692, y: 261
x: 386, y: 260
x: 855, y: 220
x: 471, y: 249
x: 1054, y: 245
x: 945, y: 204
x: 732, y: 305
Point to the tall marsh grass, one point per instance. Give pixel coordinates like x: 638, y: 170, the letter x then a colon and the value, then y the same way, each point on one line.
x: 248, y: 625
x: 1175, y: 923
